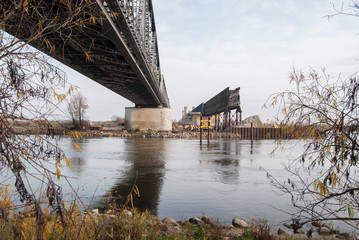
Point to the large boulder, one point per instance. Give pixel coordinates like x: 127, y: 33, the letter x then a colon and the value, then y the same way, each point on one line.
x: 324, y: 231
x: 195, y: 220
x: 239, y: 222
x: 206, y: 220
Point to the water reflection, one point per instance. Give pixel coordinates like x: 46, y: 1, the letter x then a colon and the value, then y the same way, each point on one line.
x: 146, y: 168
x: 178, y: 178
x: 77, y: 158
x: 78, y: 165
x: 223, y: 159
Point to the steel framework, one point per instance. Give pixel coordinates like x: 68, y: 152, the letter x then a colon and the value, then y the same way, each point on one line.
x: 223, y: 101
x: 221, y: 106
x: 122, y: 50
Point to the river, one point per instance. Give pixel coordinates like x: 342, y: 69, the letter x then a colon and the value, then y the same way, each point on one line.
x: 180, y: 178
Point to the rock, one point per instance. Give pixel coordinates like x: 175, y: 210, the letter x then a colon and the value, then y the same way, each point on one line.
x: 228, y: 226
x: 317, y: 224
x: 240, y: 223
x: 206, y: 220
x: 181, y: 222
x: 281, y: 231
x: 186, y: 223
x: 169, y: 221
x: 109, y: 211
x: 195, y: 220
x: 163, y: 227
x: 127, y: 213
x: 324, y: 231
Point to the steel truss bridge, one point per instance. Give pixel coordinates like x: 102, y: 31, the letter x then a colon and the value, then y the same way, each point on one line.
x: 220, y: 107
x: 122, y: 51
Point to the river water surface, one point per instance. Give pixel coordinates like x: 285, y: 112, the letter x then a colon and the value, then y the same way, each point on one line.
x: 180, y: 178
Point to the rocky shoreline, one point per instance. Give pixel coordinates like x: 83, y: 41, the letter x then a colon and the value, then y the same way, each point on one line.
x: 239, y: 227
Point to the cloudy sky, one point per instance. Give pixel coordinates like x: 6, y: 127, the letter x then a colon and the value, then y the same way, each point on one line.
x: 208, y: 45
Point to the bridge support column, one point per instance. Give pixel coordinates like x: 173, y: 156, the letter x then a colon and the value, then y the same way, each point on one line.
x: 158, y: 119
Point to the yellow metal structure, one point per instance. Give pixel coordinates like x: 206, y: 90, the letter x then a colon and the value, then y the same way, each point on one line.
x: 206, y: 124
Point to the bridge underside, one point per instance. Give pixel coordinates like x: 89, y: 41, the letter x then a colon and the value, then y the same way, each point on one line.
x: 107, y: 52
x: 108, y: 67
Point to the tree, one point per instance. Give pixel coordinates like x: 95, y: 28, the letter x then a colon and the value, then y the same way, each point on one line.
x: 324, y: 183
x: 324, y: 180
x: 77, y: 107
x: 31, y: 89
x: 116, y: 118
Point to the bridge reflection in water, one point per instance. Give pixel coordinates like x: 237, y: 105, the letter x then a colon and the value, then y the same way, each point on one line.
x: 178, y: 178
x: 147, y: 161
x: 147, y: 169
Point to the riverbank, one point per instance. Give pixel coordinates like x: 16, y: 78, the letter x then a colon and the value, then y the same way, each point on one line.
x: 110, y: 129
x: 113, y: 129
x: 204, y: 228
x: 156, y: 134
x: 126, y: 224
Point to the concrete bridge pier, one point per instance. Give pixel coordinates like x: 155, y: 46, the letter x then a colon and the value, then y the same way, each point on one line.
x: 159, y: 119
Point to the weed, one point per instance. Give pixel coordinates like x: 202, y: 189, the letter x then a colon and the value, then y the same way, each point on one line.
x: 247, y: 235
x: 258, y: 230
x: 200, y: 231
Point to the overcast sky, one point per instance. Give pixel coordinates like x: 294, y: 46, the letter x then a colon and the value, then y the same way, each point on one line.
x: 208, y: 45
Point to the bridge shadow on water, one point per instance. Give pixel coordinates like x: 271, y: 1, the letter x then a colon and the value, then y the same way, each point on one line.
x: 146, y: 169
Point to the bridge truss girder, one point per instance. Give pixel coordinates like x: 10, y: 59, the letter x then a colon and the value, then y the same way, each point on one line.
x: 121, y: 53
x: 221, y: 106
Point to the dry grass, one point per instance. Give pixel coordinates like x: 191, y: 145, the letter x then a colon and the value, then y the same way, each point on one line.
x: 117, y: 223
x: 78, y: 225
